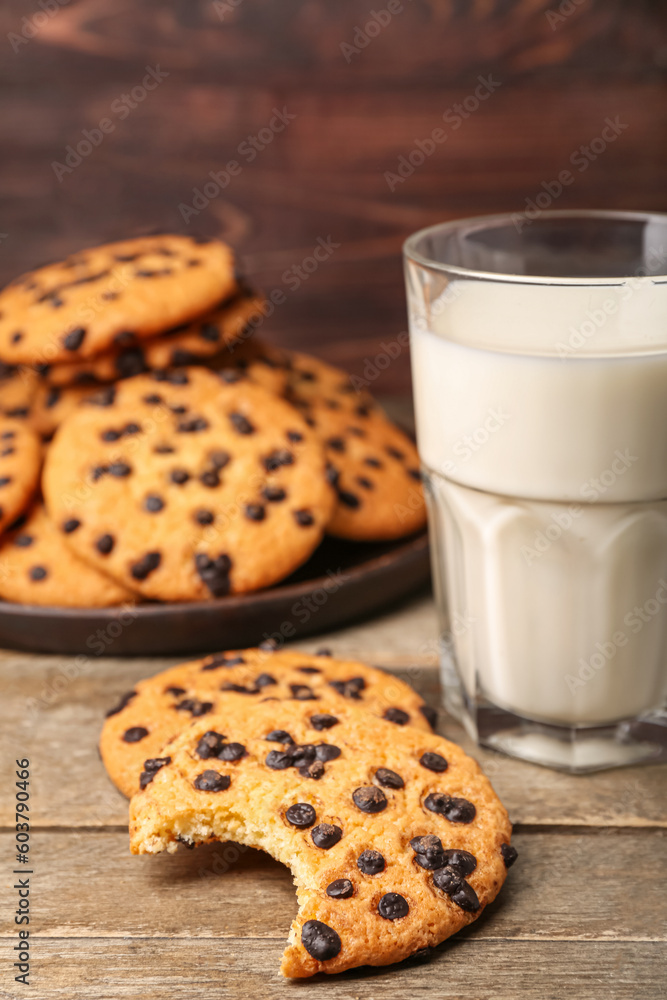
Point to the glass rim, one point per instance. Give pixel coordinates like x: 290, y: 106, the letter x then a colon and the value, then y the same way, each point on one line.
x: 411, y: 253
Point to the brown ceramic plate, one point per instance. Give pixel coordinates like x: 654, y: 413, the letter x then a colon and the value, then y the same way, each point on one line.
x: 341, y: 582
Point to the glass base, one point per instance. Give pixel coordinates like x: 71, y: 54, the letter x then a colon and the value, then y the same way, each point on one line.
x: 575, y: 749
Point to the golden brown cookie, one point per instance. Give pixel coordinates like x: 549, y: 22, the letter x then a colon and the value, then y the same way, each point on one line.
x: 161, y: 706
x: 193, y: 343
x: 20, y: 462
x: 38, y: 567
x: 189, y: 487
x: 395, y: 838
x: 113, y: 294
x: 373, y: 465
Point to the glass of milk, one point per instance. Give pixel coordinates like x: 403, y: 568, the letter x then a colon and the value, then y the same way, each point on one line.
x: 539, y: 364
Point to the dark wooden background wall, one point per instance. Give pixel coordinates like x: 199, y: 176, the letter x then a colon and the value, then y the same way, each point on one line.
x: 562, y: 67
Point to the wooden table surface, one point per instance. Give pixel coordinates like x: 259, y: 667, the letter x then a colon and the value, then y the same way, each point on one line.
x: 581, y: 915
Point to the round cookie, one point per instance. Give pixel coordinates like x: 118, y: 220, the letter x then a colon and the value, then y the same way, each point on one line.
x: 20, y: 462
x: 395, y: 838
x: 161, y: 706
x: 190, y: 344
x: 188, y: 486
x: 37, y: 567
x: 113, y: 294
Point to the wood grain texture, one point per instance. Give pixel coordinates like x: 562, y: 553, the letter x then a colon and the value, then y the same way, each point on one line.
x: 154, y: 969
x: 565, y: 886
x: 230, y: 64
x: 53, y: 710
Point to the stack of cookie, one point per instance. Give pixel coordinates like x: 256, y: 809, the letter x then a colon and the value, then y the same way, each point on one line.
x: 394, y: 837
x: 154, y: 447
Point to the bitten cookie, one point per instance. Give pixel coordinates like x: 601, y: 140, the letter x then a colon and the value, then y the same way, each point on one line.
x: 20, y: 462
x: 113, y: 294
x: 395, y: 838
x: 190, y: 344
x: 188, y: 487
x: 161, y: 706
x: 37, y: 567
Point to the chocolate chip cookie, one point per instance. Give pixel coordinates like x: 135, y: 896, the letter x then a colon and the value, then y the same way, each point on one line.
x: 161, y: 706
x: 20, y: 462
x: 116, y: 294
x: 188, y: 486
x: 395, y: 838
x: 192, y: 343
x: 38, y: 567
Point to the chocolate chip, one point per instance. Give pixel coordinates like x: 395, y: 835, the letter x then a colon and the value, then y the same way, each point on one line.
x: 123, y: 703
x: 119, y: 469
x: 277, y: 458
x: 211, y: 781
x: 105, y: 544
x: 194, y: 707
x: 415, y: 474
x: 429, y: 852
x: 351, y: 688
x: 179, y: 476
x: 7, y: 451
x: 239, y: 688
x: 349, y: 499
x: 193, y: 425
x: 222, y: 660
x: 254, y: 511
x: 309, y: 670
x: 430, y: 714
x: 279, y: 736
x: 214, y: 573
x: 146, y: 565
x: 153, y: 503
x: 509, y: 854
x: 209, y: 745
x: 241, y: 424
x: 274, y: 494
x: 340, y: 888
x: 210, y: 332
x: 397, y: 715
x: 53, y: 396
x: 134, y: 734
x: 461, y: 861
x: 38, y: 573
x: 153, y: 399
x: 394, y: 452
x: 110, y: 435
x: 303, y: 517
x: 336, y: 443
x: 320, y: 940
x: 265, y: 680
x: 23, y: 541
x: 176, y: 691
x: 278, y: 760
x: 131, y: 362
x: 314, y: 770
x: 370, y: 862
x: 210, y: 478
x: 302, y: 692
x: 393, y: 906
x: 219, y: 459
x: 326, y: 835
x: 164, y: 449
x: 294, y: 436
x: 105, y: 397
x: 327, y: 751
x: 456, y: 887
x: 332, y: 474
x: 73, y: 340
x: 323, y: 721
x: 204, y: 516
x: 374, y: 463
x: 456, y: 810
x: 151, y: 767
x: 370, y: 799
x: 17, y: 336
x: 232, y: 751
x: 433, y: 762
x: 366, y: 483
x: 5, y: 480
x: 388, y: 778
x: 301, y: 814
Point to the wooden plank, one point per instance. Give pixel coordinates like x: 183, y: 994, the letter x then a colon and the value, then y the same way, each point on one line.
x: 565, y: 886
x: 56, y: 721
x: 155, y: 969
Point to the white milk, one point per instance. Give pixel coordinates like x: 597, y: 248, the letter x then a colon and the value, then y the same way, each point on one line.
x: 549, y: 473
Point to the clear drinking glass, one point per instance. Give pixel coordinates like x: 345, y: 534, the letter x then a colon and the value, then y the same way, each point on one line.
x: 539, y: 364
